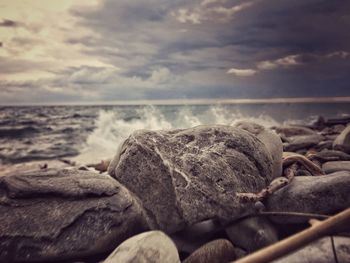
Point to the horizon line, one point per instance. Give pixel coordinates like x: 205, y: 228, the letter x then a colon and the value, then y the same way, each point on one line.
x: 202, y: 101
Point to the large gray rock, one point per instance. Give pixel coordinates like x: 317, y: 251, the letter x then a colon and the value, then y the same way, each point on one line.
x: 324, y: 194
x: 342, y: 142
x: 186, y: 176
x: 321, y: 251
x: 270, y: 139
x: 64, y: 214
x: 148, y: 247
x: 336, y: 166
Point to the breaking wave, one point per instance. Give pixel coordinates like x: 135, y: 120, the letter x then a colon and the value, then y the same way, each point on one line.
x: 115, y: 125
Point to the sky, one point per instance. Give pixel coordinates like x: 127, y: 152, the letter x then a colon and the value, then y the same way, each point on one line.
x: 61, y: 51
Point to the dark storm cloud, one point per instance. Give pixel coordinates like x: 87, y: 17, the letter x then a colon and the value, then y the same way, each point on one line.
x: 207, y: 49
x: 8, y: 23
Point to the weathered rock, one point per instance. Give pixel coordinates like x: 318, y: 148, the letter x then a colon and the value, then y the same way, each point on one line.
x: 148, y: 247
x: 32, y: 166
x: 252, y: 233
x: 270, y: 139
x: 311, y: 194
x: 331, y: 167
x: 321, y: 251
x: 217, y: 251
x: 342, y: 142
x: 187, y: 176
x: 344, y: 120
x: 289, y: 131
x: 296, y: 143
x: 64, y: 214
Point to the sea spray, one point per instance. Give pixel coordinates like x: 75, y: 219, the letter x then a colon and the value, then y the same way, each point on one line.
x: 114, y: 126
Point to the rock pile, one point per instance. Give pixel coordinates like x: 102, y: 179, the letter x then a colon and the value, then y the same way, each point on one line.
x: 198, y: 190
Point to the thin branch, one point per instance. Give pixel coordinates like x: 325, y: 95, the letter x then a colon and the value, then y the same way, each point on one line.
x: 292, y: 243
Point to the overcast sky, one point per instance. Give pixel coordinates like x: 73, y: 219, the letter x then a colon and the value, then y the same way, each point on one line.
x: 104, y: 50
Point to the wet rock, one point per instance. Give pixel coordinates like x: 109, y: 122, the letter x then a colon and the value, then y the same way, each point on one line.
x: 330, y: 193
x: 270, y: 139
x: 331, y: 167
x: 31, y: 166
x: 252, y: 233
x: 321, y: 251
x: 148, y: 247
x: 187, y: 176
x: 290, y: 131
x: 64, y: 215
x: 328, y: 144
x: 342, y: 142
x: 344, y: 120
x: 217, y: 251
x: 296, y: 143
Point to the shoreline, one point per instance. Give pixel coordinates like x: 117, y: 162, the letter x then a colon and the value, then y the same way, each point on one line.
x: 175, y: 102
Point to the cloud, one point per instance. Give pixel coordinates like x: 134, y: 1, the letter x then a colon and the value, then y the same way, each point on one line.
x: 106, y: 49
x: 242, y: 72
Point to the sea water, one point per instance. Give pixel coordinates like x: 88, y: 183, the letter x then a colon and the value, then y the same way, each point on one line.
x: 91, y: 133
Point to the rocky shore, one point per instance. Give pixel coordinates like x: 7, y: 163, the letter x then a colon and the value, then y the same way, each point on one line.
x: 205, y: 194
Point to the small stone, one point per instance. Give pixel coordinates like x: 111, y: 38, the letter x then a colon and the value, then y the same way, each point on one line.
x: 252, y: 233
x: 324, y: 194
x: 217, y: 251
x: 302, y: 142
x: 320, y: 251
x: 336, y: 166
x: 148, y: 247
x: 342, y: 142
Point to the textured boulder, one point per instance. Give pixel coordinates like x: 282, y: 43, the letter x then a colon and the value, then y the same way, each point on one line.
x: 324, y: 194
x: 336, y: 166
x: 186, y: 176
x: 148, y: 247
x: 64, y: 214
x: 342, y: 142
x: 321, y: 251
x: 270, y: 139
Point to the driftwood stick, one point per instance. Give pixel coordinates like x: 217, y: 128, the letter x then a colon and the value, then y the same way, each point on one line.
x: 300, y: 239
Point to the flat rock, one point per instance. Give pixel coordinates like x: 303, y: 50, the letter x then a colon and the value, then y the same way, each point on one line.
x: 148, y: 247
x: 300, y: 142
x: 186, y: 176
x: 342, y: 142
x: 252, y: 233
x: 324, y: 194
x: 336, y: 166
x: 64, y: 215
x: 289, y: 130
x: 270, y: 139
x: 321, y: 251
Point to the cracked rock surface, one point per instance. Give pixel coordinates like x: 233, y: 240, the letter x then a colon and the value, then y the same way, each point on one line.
x: 186, y: 176
x: 64, y: 215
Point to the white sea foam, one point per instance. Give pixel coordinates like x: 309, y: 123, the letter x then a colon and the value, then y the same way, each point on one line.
x: 112, y: 127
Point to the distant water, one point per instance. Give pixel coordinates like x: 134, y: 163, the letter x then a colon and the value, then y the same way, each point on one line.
x: 91, y: 133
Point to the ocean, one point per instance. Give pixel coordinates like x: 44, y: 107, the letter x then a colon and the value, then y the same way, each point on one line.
x: 88, y: 134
